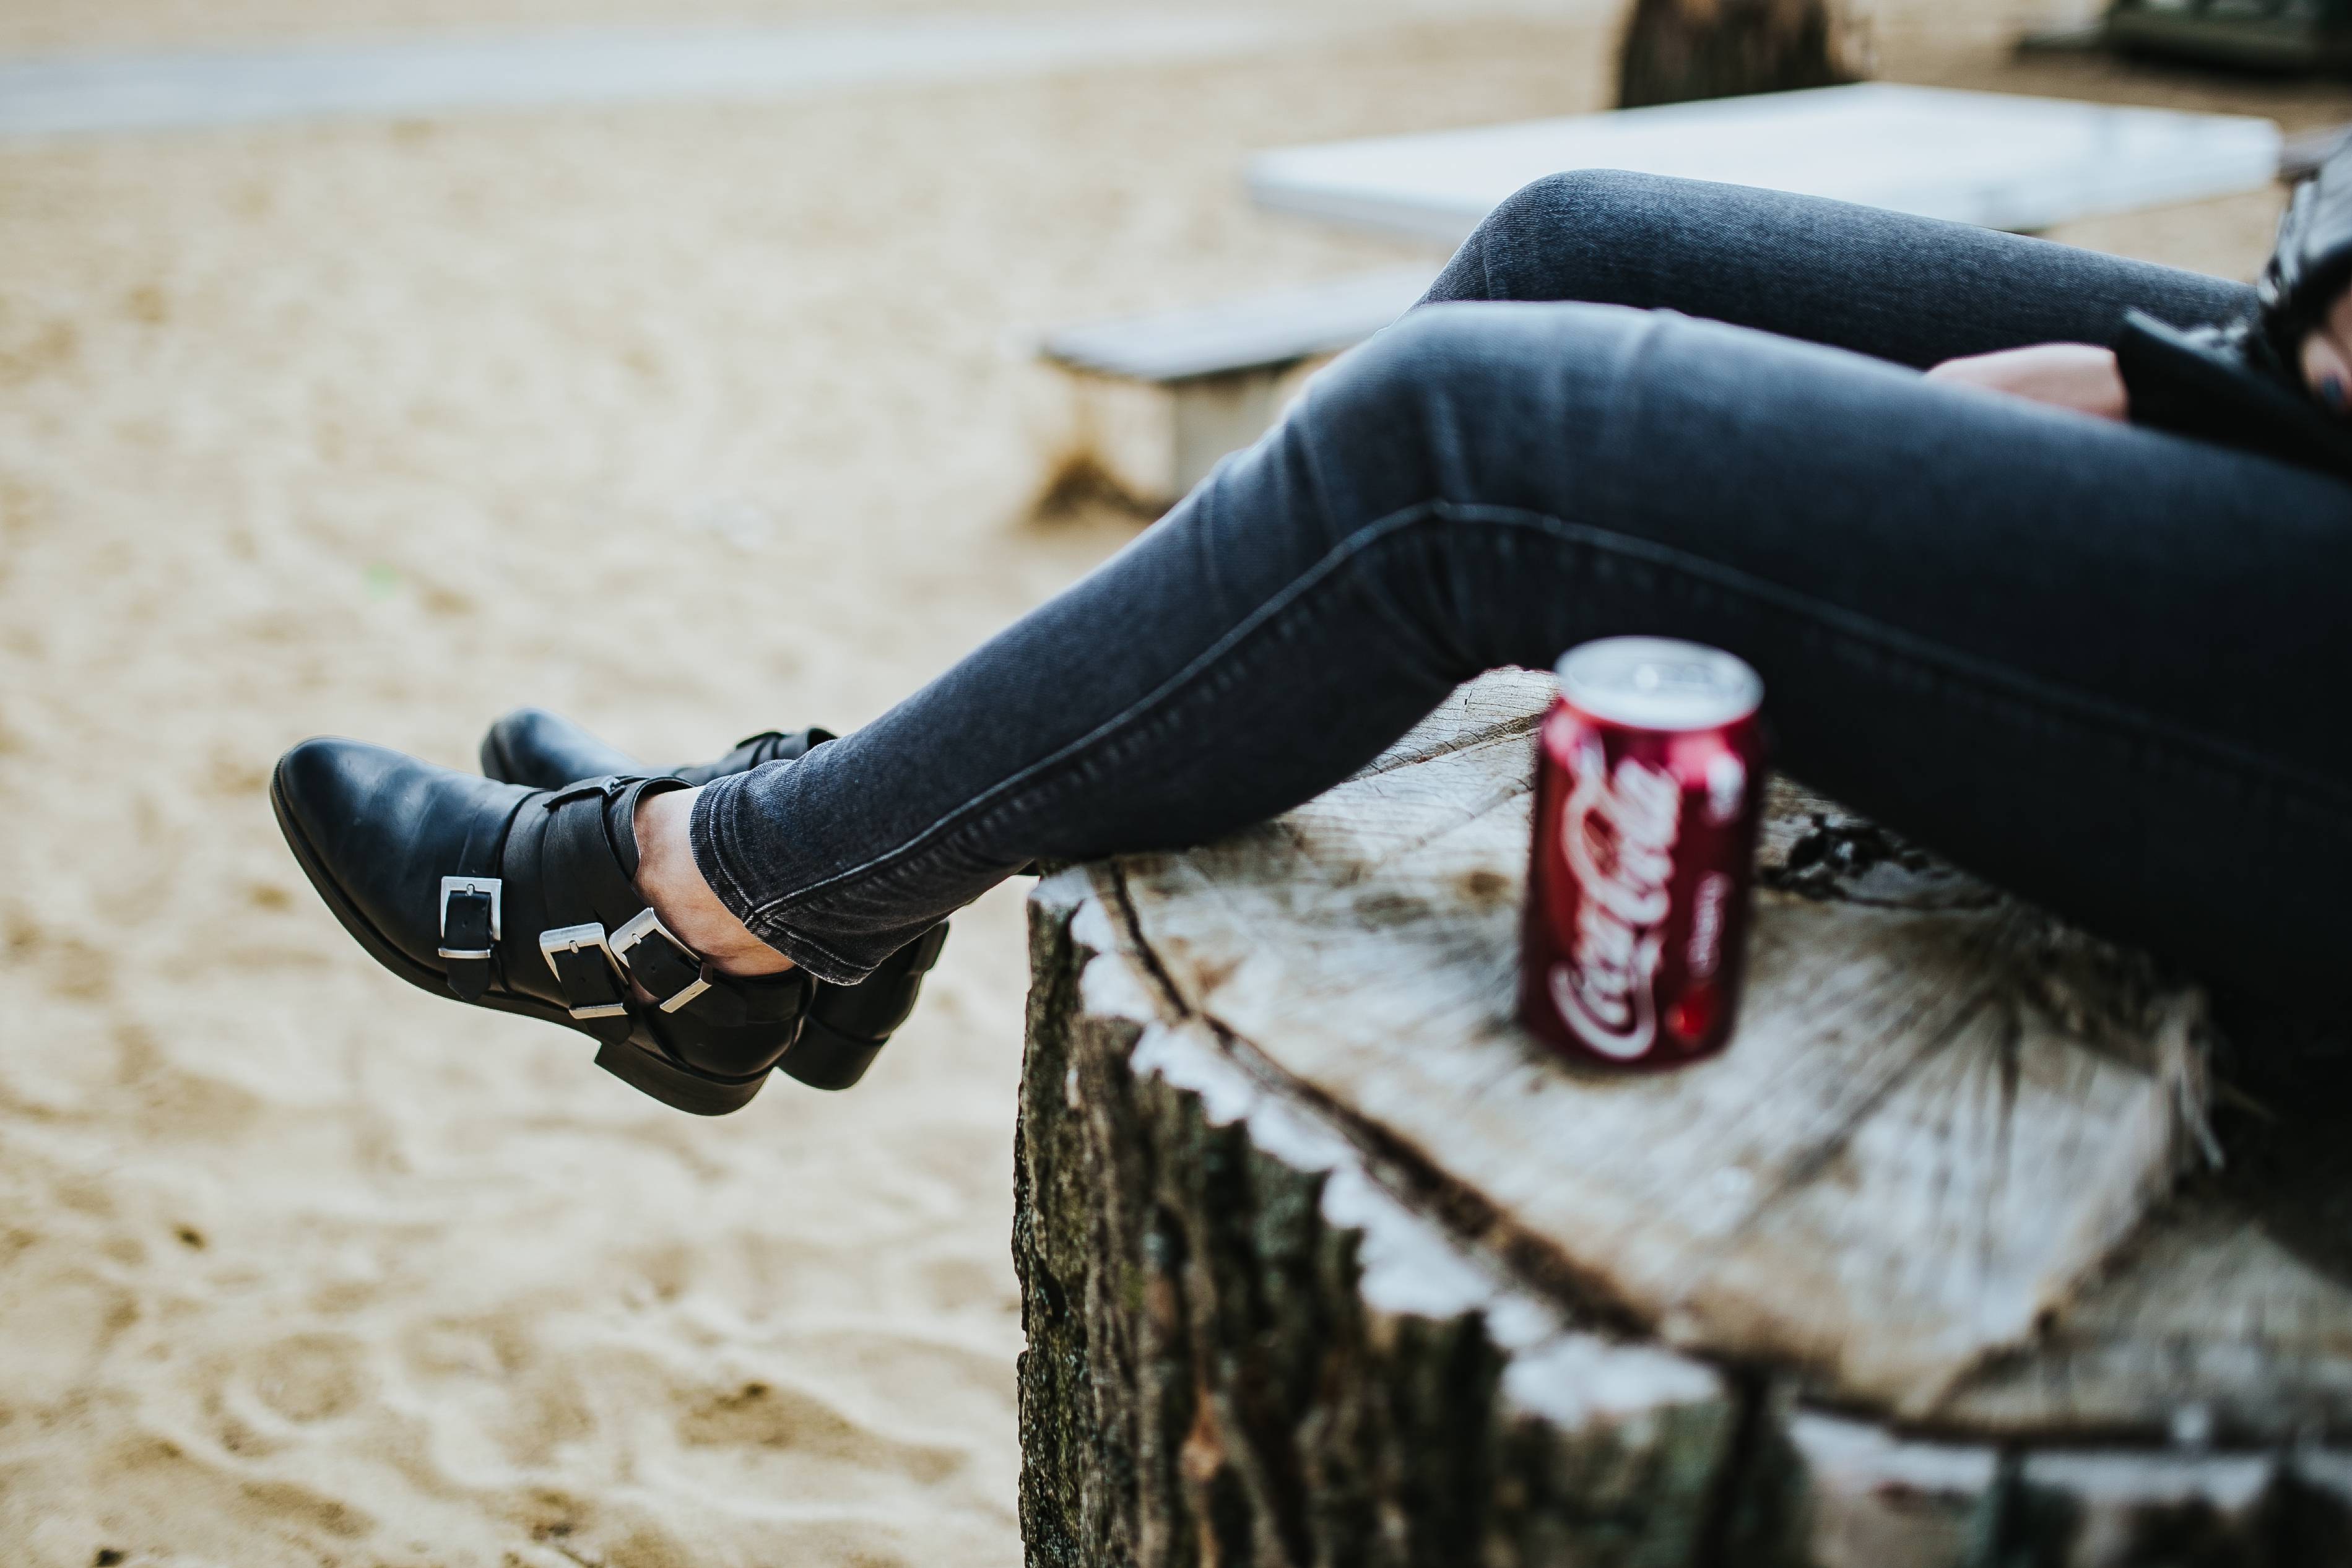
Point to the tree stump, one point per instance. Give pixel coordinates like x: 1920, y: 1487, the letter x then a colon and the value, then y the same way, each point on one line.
x: 1326, y: 1261
x: 1676, y: 51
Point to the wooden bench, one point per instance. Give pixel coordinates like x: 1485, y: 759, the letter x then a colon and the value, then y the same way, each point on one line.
x: 1324, y: 1259
x: 1223, y: 364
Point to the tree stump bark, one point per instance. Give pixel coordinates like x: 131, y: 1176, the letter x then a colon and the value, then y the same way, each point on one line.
x: 1325, y: 1262
x: 1677, y: 50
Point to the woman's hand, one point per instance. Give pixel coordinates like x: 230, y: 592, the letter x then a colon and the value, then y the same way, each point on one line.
x: 2328, y: 359
x: 2083, y: 377
x: 2080, y: 376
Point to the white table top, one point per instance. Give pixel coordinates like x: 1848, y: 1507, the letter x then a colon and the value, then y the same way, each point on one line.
x: 1993, y: 159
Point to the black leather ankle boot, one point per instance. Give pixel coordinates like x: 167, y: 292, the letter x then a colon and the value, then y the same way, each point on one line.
x: 525, y: 901
x: 847, y: 1026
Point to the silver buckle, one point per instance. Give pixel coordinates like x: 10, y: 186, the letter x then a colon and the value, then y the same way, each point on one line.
x: 582, y: 939
x: 644, y: 926
x: 489, y: 887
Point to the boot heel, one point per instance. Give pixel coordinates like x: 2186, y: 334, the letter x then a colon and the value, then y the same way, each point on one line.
x: 673, y: 1085
x: 824, y: 1058
x: 847, y: 1026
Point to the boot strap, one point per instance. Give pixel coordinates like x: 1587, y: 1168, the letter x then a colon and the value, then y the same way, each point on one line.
x: 774, y: 745
x: 592, y: 965
x: 674, y: 972
x: 471, y: 925
x: 639, y: 946
x: 590, y: 977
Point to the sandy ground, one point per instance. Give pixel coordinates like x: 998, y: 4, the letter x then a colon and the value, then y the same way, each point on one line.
x: 689, y: 421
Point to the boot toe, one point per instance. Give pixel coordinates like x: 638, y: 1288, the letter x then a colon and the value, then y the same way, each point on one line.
x: 376, y: 830
x: 539, y: 902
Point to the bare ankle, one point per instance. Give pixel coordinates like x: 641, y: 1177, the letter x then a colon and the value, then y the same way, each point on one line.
x: 673, y: 885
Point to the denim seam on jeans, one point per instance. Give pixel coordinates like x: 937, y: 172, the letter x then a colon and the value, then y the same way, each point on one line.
x: 1331, y: 562
x: 1849, y: 634
x: 1202, y: 677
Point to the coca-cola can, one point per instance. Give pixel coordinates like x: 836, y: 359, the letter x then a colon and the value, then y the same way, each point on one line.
x: 1649, y: 785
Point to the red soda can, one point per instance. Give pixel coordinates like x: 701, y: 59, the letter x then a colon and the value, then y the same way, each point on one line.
x: 1649, y: 785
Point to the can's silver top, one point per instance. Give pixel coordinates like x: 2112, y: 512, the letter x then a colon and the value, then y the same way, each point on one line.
x: 1657, y: 683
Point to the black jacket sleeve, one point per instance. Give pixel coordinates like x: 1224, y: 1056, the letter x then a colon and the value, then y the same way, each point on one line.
x: 2241, y: 382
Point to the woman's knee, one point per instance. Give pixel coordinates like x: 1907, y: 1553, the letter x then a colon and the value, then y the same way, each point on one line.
x: 1477, y: 359
x: 1582, y: 199
x: 1565, y: 236
x: 1466, y: 402
x: 1391, y: 390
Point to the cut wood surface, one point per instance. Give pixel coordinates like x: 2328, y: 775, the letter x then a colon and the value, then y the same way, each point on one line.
x: 1939, y: 1117
x: 1909, y: 1271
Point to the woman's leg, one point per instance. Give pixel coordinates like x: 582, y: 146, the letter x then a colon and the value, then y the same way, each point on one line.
x: 2098, y: 664
x: 1914, y: 290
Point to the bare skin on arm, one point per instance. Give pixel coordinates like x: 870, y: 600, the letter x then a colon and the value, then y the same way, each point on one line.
x: 2327, y: 359
x: 2083, y: 377
x: 2080, y: 376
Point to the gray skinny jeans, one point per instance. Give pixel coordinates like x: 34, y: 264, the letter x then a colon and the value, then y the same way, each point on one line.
x: 2102, y: 666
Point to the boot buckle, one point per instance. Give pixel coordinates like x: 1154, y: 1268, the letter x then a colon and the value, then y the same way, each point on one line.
x: 565, y: 941
x: 484, y: 896
x: 671, y: 954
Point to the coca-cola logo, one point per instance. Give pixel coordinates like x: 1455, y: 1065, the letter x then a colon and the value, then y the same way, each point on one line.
x: 1618, y: 833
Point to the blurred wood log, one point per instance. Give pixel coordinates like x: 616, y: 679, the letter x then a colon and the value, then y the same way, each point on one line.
x: 1325, y: 1262
x: 1678, y: 50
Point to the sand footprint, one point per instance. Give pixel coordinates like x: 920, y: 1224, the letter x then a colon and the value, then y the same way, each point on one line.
x: 488, y: 1379
x: 59, y: 1324
x: 257, y: 1405
x: 308, y: 1377
x: 154, y: 1474
x: 772, y: 1416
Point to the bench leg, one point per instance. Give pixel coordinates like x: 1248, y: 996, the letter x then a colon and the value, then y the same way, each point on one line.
x: 1217, y: 414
